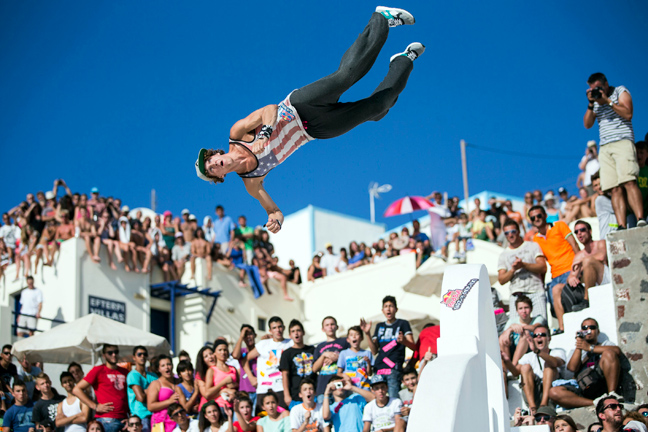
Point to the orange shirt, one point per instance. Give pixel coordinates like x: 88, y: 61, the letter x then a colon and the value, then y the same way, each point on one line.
x: 556, y: 248
x: 516, y: 216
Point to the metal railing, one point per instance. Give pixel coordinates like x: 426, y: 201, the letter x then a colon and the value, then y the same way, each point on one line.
x: 15, y: 326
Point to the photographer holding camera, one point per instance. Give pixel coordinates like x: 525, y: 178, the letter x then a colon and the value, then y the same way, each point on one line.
x: 596, y: 367
x: 612, y: 106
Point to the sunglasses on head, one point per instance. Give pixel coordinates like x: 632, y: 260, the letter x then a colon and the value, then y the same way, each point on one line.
x: 589, y: 327
x: 613, y: 406
x: 538, y: 216
x: 540, y: 418
x: 112, y: 352
x: 537, y: 335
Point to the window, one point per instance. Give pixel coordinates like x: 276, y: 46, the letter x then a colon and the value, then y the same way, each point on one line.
x: 261, y: 324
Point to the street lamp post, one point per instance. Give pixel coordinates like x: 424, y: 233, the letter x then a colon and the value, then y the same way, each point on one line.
x: 374, y: 192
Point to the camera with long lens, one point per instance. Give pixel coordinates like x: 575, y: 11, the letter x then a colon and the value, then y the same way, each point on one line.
x: 596, y: 92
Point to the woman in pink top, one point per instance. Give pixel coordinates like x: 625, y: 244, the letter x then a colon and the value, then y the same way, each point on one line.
x: 222, y: 380
x: 162, y: 393
x: 204, y: 360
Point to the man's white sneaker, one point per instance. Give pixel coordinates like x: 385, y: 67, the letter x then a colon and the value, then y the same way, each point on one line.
x: 412, y: 52
x: 395, y: 16
x: 641, y: 223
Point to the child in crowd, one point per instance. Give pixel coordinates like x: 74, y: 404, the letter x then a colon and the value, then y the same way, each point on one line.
x: 244, y: 409
x: 307, y: 416
x: 410, y: 381
x: 355, y: 362
x: 190, y: 396
x: 384, y: 412
x: 350, y: 401
x: 388, y: 344
x: 296, y: 364
x: 273, y: 421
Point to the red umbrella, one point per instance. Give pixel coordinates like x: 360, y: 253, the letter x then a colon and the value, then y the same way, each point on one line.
x: 407, y: 205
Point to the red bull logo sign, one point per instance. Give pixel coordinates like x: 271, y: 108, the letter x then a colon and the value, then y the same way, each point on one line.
x: 455, y: 298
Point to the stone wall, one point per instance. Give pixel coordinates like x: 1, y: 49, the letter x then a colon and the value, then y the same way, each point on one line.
x: 628, y: 259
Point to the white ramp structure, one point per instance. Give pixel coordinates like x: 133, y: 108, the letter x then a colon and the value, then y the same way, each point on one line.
x: 463, y: 390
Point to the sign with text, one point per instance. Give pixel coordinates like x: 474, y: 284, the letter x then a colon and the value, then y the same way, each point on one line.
x: 107, y: 308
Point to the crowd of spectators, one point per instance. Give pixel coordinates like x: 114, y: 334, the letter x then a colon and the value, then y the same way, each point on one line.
x: 32, y: 232
x: 272, y: 383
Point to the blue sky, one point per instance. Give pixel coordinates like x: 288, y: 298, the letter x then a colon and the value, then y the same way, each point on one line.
x: 122, y: 95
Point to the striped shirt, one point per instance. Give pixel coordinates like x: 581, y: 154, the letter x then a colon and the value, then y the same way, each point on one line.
x: 613, y: 127
x: 288, y: 135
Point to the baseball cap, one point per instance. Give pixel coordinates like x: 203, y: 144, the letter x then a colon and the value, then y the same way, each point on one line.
x: 167, y: 213
x: 192, y: 217
x: 635, y: 426
x: 125, y: 208
x: 94, y: 190
x: 591, y: 143
x: 546, y: 410
x: 549, y: 197
x: 49, y: 195
x: 200, y: 166
x: 562, y: 190
x: 184, y: 211
x: 377, y: 379
x: 179, y: 234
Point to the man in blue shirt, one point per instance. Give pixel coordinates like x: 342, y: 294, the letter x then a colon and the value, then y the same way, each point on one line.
x: 138, y: 381
x: 18, y: 417
x: 224, y: 228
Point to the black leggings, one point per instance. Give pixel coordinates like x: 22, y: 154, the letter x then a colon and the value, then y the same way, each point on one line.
x: 317, y: 103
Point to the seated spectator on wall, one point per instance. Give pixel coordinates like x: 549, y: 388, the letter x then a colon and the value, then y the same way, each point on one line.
x: 482, y: 230
x: 201, y: 248
x: 246, y: 234
x: 293, y: 273
x: 553, y: 214
x: 316, y: 271
x: 523, y: 264
x: 539, y: 367
x: 596, y: 367
x: 590, y: 265
x: 329, y: 260
x: 180, y: 253
x: 141, y: 254
x: 357, y: 255
x: 512, y: 340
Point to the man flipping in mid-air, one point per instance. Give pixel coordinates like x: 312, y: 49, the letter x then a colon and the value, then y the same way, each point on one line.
x: 265, y: 138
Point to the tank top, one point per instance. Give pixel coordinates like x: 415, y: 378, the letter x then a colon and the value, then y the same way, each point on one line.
x: 71, y: 410
x: 163, y: 416
x: 288, y: 135
x: 219, y: 375
x: 237, y: 256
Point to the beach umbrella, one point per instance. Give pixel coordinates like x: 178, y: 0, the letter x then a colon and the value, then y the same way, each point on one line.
x: 407, y: 205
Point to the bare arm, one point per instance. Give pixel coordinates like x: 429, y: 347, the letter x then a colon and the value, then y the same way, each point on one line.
x: 255, y: 188
x: 572, y: 242
x: 263, y: 116
x: 286, y: 388
x: 624, y: 107
x: 551, y: 361
x: 139, y: 393
x: 79, y: 391
x: 538, y: 267
x: 504, y: 276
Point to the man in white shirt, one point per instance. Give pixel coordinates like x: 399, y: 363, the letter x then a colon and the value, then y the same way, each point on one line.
x: 31, y: 303
x: 269, y: 352
x: 384, y: 412
x: 539, y: 367
x: 438, y: 214
x: 179, y: 415
x: 10, y: 233
x: 330, y: 261
x: 523, y: 264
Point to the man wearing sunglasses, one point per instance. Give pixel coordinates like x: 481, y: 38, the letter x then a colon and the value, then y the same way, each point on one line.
x: 109, y: 383
x: 545, y: 415
x: 539, y: 367
x: 523, y: 264
x: 604, y: 357
x: 610, y: 413
x: 559, y: 247
x: 590, y: 265
x: 138, y: 381
x: 179, y: 415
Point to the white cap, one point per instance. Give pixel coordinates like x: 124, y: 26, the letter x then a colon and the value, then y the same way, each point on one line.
x: 185, y: 211
x: 192, y: 217
x: 49, y: 195
x: 125, y: 208
x: 591, y: 143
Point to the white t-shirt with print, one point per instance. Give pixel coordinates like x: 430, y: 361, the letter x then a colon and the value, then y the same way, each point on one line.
x: 268, y: 373
x: 382, y: 417
x: 316, y: 421
x: 537, y: 363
